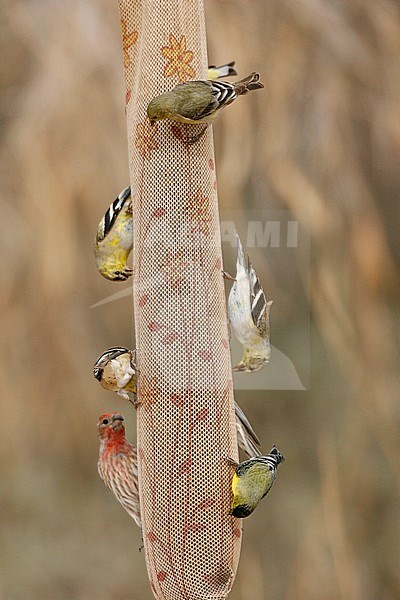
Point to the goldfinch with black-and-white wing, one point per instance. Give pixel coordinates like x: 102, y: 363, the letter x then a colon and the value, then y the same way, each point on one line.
x: 252, y: 480
x: 249, y: 315
x: 114, y: 239
x: 199, y: 101
x: 218, y: 72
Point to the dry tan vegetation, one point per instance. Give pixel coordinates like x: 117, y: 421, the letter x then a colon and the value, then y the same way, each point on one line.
x: 322, y: 142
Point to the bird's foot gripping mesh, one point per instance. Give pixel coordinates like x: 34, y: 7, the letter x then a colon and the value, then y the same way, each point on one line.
x: 186, y: 420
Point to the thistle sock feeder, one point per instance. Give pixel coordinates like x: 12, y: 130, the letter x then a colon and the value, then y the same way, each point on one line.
x: 186, y: 420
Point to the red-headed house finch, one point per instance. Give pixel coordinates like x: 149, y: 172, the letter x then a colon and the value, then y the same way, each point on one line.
x: 117, y: 464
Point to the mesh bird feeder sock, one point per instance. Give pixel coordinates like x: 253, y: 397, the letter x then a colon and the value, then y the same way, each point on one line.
x: 186, y: 420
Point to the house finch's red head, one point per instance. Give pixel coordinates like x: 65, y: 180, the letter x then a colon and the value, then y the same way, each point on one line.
x: 109, y: 425
x: 117, y: 463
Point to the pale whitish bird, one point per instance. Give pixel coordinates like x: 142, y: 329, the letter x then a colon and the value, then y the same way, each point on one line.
x: 116, y: 371
x: 249, y: 312
x: 114, y: 239
x: 117, y: 464
x: 199, y: 101
x: 252, y: 480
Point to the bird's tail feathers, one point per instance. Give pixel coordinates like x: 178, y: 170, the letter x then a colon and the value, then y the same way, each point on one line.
x: 245, y: 443
x: 250, y: 433
x: 240, y: 254
x: 243, y: 86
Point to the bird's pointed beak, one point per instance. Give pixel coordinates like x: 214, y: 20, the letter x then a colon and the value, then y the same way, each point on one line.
x: 117, y: 417
x: 98, y: 373
x: 240, y: 367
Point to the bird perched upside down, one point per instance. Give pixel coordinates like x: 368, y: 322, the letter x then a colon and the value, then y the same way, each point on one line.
x: 114, y: 239
x: 199, y: 101
x: 117, y: 464
x: 249, y: 312
x: 252, y: 481
x: 116, y: 371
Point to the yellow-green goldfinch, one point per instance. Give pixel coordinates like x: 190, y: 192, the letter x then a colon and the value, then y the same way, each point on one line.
x: 252, y: 480
x: 199, y: 101
x: 217, y: 72
x: 116, y: 371
x: 222, y: 71
x: 114, y: 239
x: 249, y: 312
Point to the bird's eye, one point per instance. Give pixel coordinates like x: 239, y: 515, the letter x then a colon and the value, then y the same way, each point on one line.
x: 105, y: 421
x: 98, y: 373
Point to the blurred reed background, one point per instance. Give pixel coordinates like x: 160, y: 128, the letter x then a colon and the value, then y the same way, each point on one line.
x: 323, y: 142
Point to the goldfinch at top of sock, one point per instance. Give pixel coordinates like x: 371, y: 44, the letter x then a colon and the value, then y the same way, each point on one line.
x: 199, y: 101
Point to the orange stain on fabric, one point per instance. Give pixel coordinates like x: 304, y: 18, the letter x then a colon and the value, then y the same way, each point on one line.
x: 128, y: 40
x: 199, y: 212
x: 179, y: 59
x: 144, y: 140
x: 149, y: 390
